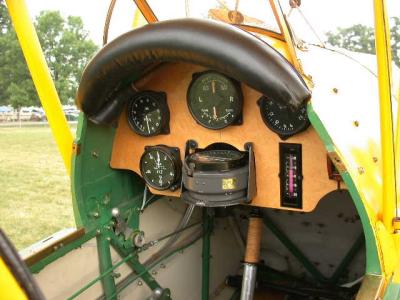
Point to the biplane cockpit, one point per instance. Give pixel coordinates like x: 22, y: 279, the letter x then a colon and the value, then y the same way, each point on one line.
x: 208, y: 163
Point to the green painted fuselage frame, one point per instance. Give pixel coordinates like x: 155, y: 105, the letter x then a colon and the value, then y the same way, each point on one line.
x: 373, y: 265
x: 97, y: 188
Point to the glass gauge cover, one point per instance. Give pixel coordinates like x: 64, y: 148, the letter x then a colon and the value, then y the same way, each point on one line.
x: 215, y: 100
x: 161, y: 166
x: 281, y: 119
x: 148, y: 113
x: 218, y: 160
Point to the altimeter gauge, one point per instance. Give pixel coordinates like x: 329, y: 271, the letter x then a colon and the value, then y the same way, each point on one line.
x: 148, y: 113
x: 281, y: 119
x: 215, y: 100
x: 161, y: 166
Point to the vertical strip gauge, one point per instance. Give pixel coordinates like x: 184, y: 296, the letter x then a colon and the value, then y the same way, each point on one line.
x: 291, y: 177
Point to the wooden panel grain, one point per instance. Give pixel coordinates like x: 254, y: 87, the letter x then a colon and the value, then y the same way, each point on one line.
x: 174, y: 79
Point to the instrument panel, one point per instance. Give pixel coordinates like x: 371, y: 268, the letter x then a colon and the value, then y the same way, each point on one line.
x: 182, y: 84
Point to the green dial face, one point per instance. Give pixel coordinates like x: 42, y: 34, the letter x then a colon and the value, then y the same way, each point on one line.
x: 158, y: 168
x: 214, y: 100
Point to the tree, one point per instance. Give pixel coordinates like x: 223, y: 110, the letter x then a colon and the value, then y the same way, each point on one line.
x: 360, y: 38
x: 67, y: 49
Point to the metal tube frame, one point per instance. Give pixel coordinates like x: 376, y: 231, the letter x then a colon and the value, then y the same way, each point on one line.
x: 314, y: 272
x: 105, y: 263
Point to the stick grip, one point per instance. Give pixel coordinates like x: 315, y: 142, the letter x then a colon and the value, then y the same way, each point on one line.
x: 254, y: 234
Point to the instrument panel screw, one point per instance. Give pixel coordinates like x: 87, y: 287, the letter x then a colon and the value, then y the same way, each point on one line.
x: 356, y: 123
x: 115, y: 212
x: 375, y: 159
x: 361, y: 170
x: 335, y: 90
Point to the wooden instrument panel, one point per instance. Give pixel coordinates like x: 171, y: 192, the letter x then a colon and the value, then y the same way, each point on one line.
x: 174, y: 80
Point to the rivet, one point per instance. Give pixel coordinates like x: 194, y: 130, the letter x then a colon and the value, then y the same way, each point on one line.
x: 361, y: 170
x: 335, y: 90
x: 139, y: 283
x: 356, y: 123
x: 108, y: 239
x: 375, y: 159
x: 115, y: 212
x: 154, y: 272
x: 162, y: 266
x: 96, y: 214
x: 98, y: 231
x: 95, y: 154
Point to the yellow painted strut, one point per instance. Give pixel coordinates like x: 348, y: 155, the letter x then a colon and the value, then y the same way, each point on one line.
x: 40, y: 73
x: 382, y: 41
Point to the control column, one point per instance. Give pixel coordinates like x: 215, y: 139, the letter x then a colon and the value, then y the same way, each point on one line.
x: 252, y: 256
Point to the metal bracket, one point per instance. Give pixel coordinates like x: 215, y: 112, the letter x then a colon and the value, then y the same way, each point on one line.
x: 337, y: 162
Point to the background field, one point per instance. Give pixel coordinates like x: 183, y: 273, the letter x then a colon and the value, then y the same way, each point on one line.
x: 35, y: 197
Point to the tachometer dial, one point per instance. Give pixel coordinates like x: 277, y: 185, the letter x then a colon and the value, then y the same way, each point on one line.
x: 215, y: 101
x: 161, y: 166
x: 148, y: 113
x: 281, y: 119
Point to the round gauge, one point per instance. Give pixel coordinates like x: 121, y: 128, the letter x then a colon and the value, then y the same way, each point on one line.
x: 281, y: 119
x: 220, y: 160
x: 215, y: 101
x: 148, y: 113
x: 160, y: 166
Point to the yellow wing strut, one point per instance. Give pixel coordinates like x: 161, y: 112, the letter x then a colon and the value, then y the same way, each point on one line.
x: 383, y: 54
x: 40, y: 73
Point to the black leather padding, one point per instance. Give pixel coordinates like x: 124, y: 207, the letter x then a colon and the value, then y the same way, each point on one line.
x: 214, y: 45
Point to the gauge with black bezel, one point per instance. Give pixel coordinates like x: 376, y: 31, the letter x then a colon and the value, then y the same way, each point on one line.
x: 148, y: 113
x: 161, y: 167
x: 281, y: 119
x: 215, y: 100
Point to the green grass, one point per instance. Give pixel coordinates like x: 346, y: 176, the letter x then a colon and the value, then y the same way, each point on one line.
x: 35, y: 196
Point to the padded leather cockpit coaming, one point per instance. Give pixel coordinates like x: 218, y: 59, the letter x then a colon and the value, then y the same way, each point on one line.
x: 214, y: 45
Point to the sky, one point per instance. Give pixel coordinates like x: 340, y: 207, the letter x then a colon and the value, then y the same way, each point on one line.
x: 323, y: 15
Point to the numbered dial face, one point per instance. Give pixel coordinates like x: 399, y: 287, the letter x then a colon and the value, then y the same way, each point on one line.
x: 215, y: 101
x: 148, y: 113
x: 159, y: 167
x: 282, y: 120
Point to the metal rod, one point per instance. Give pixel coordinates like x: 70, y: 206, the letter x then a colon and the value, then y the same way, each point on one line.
x: 347, y: 259
x: 293, y: 249
x: 91, y: 283
x: 249, y: 281
x: 105, y: 263
x: 383, y: 55
x: 138, y: 268
x: 41, y: 76
x: 207, y: 227
x: 134, y: 276
x: 252, y: 255
x: 306, y: 262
